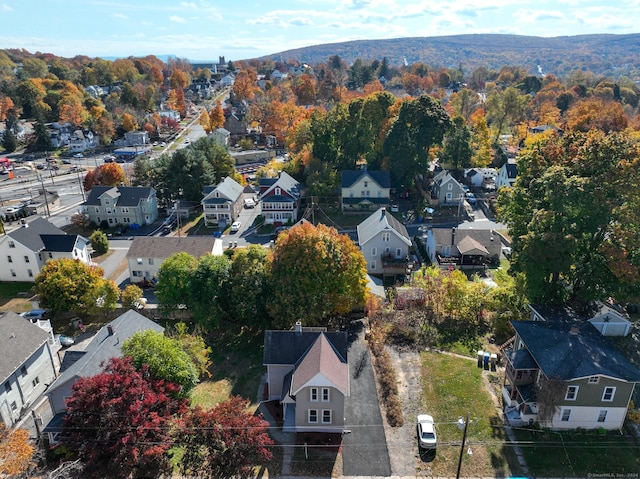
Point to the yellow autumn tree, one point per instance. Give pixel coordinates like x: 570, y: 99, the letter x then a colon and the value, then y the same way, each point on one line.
x: 16, y: 452
x: 205, y: 121
x: 129, y: 122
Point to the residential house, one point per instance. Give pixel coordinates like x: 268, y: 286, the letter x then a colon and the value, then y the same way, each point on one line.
x: 87, y: 362
x: 236, y: 126
x: 221, y: 137
x: 227, y: 80
x: 446, y: 190
x: 280, y: 199
x: 462, y: 248
x: 385, y: 244
x: 82, y: 140
x: 277, y: 75
x: 222, y: 202
x: 365, y: 190
x: 25, y: 250
x: 308, y: 374
x: 27, y: 368
x: 59, y: 134
x: 166, y: 112
x: 484, y: 178
x: 134, y: 139
x: 147, y: 253
x: 594, y: 381
x: 126, y: 205
x: 507, y: 175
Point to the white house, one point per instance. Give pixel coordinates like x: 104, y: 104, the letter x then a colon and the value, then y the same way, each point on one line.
x: 221, y: 137
x: 24, y: 251
x: 27, y: 367
x: 385, y: 244
x: 147, y: 253
x: 222, y: 202
x: 124, y: 205
x: 82, y: 140
x: 484, y: 178
x: 507, y: 175
x: 365, y: 190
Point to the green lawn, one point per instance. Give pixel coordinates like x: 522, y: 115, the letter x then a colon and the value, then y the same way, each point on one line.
x: 453, y: 387
x: 10, y: 290
x: 572, y: 454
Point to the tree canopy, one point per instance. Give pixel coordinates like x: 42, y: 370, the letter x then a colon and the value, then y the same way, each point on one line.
x: 315, y: 272
x: 119, y: 422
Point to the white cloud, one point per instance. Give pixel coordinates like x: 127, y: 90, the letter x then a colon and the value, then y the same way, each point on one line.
x: 177, y: 19
x: 6, y: 8
x: 121, y: 16
x: 188, y: 5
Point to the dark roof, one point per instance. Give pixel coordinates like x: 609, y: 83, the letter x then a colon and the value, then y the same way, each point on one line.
x: 557, y: 313
x: 277, y: 199
x: 565, y: 355
x: 69, y: 358
x: 31, y: 233
x: 287, y: 347
x: 486, y: 238
x: 349, y: 177
x: 512, y: 170
x: 129, y: 195
x: 19, y: 339
x: 521, y: 359
x: 60, y: 243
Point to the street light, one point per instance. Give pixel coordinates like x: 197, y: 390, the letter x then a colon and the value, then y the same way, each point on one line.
x: 463, y: 424
x: 44, y: 192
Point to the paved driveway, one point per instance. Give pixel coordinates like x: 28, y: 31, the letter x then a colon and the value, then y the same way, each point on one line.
x: 365, y: 448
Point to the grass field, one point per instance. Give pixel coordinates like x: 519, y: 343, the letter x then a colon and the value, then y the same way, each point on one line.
x: 453, y: 387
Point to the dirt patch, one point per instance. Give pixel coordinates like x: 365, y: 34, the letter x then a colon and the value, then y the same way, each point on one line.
x: 18, y: 305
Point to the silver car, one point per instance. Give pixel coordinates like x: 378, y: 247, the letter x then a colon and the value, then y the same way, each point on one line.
x: 426, y: 432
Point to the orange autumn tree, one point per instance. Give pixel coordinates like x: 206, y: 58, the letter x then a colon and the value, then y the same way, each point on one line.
x: 212, y: 120
x: 109, y: 174
x: 16, y: 453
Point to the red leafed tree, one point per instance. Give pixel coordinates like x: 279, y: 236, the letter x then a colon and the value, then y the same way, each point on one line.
x: 109, y: 174
x: 223, y: 442
x: 119, y: 422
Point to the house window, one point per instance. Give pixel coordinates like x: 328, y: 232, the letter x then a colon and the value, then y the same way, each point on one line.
x: 602, y: 417
x: 12, y: 244
x: 278, y: 191
x: 50, y: 255
x: 326, y: 416
x: 35, y: 382
x: 139, y: 260
x: 13, y: 273
x: 325, y: 394
x: 362, y: 193
x: 386, y: 237
x: 398, y: 252
x: 449, y: 196
x: 373, y: 265
x: 609, y: 393
x: 594, y: 380
x: 572, y: 393
x: 450, y: 186
x: 26, y: 259
x: 313, y: 416
x: 314, y: 394
x: 30, y: 273
x: 9, y: 259
x: 150, y: 260
x: 366, y: 184
x: 137, y: 274
x: 374, y: 251
x: 7, y: 386
x: 23, y: 371
x: 566, y: 414
x: 519, y: 375
x: 14, y: 406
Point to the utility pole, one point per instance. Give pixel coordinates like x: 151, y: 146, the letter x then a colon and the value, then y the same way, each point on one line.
x: 464, y: 438
x: 44, y: 192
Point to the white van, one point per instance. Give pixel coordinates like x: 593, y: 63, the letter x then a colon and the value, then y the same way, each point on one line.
x: 249, y: 203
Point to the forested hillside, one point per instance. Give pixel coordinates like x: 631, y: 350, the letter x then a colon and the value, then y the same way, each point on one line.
x: 612, y: 56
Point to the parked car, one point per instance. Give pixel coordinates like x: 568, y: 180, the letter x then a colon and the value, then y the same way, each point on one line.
x: 109, y: 159
x: 78, y: 155
x: 66, y: 161
x: 65, y: 341
x: 249, y: 203
x: 235, y: 226
x: 471, y: 198
x: 426, y: 432
x: 35, y: 314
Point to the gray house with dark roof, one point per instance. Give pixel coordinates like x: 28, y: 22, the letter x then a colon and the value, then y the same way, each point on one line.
x: 27, y: 366
x: 385, y: 243
x: 308, y: 374
x: 596, y: 380
x: 121, y: 205
x: 106, y: 344
x: 24, y: 251
x: 364, y: 190
x: 507, y: 175
x: 222, y: 202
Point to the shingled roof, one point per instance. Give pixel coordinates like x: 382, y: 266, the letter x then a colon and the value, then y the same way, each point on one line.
x: 349, y: 177
x: 379, y: 221
x: 321, y: 359
x: 19, y: 339
x: 165, y: 246
x: 127, y: 195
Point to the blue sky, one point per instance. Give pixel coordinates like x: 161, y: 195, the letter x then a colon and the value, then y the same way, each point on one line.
x: 239, y: 29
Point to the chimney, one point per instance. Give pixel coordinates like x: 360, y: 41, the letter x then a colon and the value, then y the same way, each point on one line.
x: 298, y: 328
x: 453, y: 236
x: 574, y: 331
x: 110, y: 330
